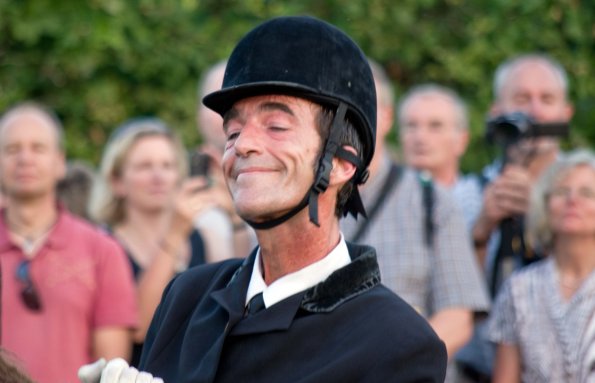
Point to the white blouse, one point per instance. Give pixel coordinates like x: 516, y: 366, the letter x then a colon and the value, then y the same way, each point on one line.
x: 531, y: 313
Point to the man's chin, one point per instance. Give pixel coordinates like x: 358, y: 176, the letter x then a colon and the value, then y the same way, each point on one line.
x: 422, y: 164
x: 25, y: 194
x: 260, y: 215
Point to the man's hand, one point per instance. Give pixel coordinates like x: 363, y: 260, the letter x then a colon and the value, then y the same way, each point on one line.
x: 190, y: 200
x: 114, y: 371
x: 507, y: 196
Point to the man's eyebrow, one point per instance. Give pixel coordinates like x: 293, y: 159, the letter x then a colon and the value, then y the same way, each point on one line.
x: 273, y: 106
x: 230, y: 115
x: 265, y: 107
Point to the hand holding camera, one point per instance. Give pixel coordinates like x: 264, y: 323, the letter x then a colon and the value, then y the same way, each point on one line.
x: 200, y: 164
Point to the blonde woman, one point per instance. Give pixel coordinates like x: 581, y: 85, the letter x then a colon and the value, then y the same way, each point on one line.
x: 142, y: 199
x: 541, y: 316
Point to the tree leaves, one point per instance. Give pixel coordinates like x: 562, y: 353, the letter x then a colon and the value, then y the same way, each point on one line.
x: 100, y: 62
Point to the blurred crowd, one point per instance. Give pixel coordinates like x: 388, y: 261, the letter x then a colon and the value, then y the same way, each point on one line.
x: 497, y: 262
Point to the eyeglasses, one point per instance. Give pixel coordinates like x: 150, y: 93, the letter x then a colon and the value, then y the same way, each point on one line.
x: 583, y: 193
x: 29, y: 293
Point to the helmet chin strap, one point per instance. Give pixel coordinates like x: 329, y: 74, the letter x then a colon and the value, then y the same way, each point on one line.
x: 279, y: 220
x: 332, y: 148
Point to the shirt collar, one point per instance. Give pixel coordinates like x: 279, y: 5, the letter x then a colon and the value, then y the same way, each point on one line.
x: 57, y: 238
x: 5, y: 242
x: 300, y: 280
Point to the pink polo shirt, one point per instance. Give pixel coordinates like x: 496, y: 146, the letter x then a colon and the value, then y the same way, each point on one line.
x: 84, y: 281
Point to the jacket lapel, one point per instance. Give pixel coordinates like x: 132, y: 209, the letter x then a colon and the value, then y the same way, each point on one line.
x: 232, y: 297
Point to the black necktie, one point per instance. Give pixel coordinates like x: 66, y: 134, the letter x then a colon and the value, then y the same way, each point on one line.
x: 255, y: 305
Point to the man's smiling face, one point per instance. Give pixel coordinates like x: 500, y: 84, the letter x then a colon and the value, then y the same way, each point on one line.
x: 271, y: 153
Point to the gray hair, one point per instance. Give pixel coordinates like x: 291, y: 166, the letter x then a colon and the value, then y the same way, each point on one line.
x: 40, y: 110
x: 104, y: 206
x: 538, y: 228
x: 435, y: 89
x: 504, y: 70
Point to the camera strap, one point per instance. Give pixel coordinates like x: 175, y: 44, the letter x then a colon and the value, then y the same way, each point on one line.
x: 513, y: 252
x: 394, y: 175
x: 428, y: 203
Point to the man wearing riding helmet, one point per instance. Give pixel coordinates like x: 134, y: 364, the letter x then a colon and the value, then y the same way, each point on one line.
x: 299, y: 110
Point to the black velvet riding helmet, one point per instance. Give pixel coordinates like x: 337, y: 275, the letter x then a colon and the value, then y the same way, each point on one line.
x: 308, y: 58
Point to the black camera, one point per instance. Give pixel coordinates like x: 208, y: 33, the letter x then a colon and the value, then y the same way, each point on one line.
x: 508, y: 129
x: 199, y: 164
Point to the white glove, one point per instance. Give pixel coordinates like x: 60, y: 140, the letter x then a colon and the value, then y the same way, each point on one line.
x: 115, y: 371
x: 91, y: 373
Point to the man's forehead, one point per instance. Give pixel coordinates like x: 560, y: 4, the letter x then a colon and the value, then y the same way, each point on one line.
x: 534, y: 74
x: 27, y: 122
x: 432, y: 96
x: 421, y: 101
x: 289, y: 105
x: 262, y: 101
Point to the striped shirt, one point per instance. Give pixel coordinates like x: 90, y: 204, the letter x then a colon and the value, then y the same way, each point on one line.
x: 430, y: 279
x: 531, y: 313
x: 468, y: 194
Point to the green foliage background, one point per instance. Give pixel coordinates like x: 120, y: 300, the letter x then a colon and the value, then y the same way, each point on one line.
x: 99, y: 62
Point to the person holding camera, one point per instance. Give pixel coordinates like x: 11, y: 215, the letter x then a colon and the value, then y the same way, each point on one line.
x: 299, y: 107
x: 531, y: 91
x: 537, y: 86
x: 142, y: 198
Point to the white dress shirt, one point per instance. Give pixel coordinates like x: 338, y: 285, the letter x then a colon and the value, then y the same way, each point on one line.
x: 300, y: 280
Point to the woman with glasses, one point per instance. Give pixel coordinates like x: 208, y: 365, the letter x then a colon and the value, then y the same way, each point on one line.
x: 142, y: 198
x: 541, y: 317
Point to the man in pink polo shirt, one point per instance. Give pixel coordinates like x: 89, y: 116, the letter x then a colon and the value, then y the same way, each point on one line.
x: 68, y: 295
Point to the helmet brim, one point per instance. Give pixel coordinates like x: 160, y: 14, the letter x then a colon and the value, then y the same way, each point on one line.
x: 223, y: 100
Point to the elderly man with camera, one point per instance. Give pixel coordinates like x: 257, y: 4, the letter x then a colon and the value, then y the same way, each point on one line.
x: 530, y: 112
x: 536, y: 86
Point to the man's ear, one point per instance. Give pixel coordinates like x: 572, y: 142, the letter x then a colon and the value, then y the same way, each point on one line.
x: 61, y: 166
x: 568, y: 111
x: 342, y: 170
x: 461, y: 143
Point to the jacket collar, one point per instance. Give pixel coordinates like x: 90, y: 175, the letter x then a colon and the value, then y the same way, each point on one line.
x: 344, y: 284
x: 348, y: 282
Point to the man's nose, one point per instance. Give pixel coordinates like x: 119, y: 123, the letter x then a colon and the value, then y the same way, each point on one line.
x: 248, y: 140
x: 537, y: 109
x: 419, y: 134
x: 24, y: 156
